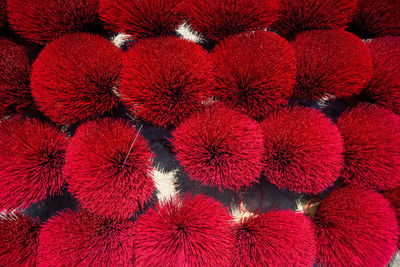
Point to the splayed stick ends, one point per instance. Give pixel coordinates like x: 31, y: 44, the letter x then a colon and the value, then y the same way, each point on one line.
x: 31, y: 162
x: 82, y: 239
x: 220, y: 147
x: 303, y: 150
x: 15, y: 92
x: 374, y: 18
x: 384, y: 87
x: 372, y: 147
x: 108, y: 168
x: 355, y: 228
x: 275, y: 238
x: 164, y: 80
x: 254, y: 72
x: 184, y: 231
x: 217, y: 19
x: 297, y: 16
x: 394, y: 197
x: 331, y: 62
x: 42, y: 21
x: 74, y: 77
x: 19, y: 240
x: 143, y: 18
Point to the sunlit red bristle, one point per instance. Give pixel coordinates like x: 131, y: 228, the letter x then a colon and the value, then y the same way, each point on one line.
x: 275, y: 238
x: 217, y: 19
x: 19, y: 240
x: 384, y: 87
x: 15, y: 93
x: 298, y: 16
x: 331, y: 62
x: 83, y: 239
x: 355, y: 228
x: 143, y: 18
x: 3, y: 13
x: 42, y: 21
x: 259, y: 103
x: 372, y: 147
x: 75, y: 78
x: 254, y: 72
x: 108, y: 168
x: 303, y: 150
x: 376, y: 18
x: 220, y: 147
x: 164, y: 80
x: 184, y: 231
x: 394, y: 197
x: 31, y: 162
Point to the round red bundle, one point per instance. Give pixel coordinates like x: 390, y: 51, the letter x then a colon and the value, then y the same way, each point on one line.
x: 3, y: 13
x: 394, y: 197
x: 184, y: 231
x: 220, y: 147
x: 372, y: 147
x: 44, y: 20
x: 108, y: 168
x: 355, y: 228
x: 298, y: 16
x: 254, y: 72
x: 15, y: 92
x: 374, y: 18
x: 75, y: 76
x: 331, y: 62
x: 217, y: 19
x: 303, y: 150
x: 31, y: 162
x: 18, y: 239
x: 384, y: 87
x: 142, y: 18
x: 275, y: 238
x: 164, y: 80
x: 83, y: 239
